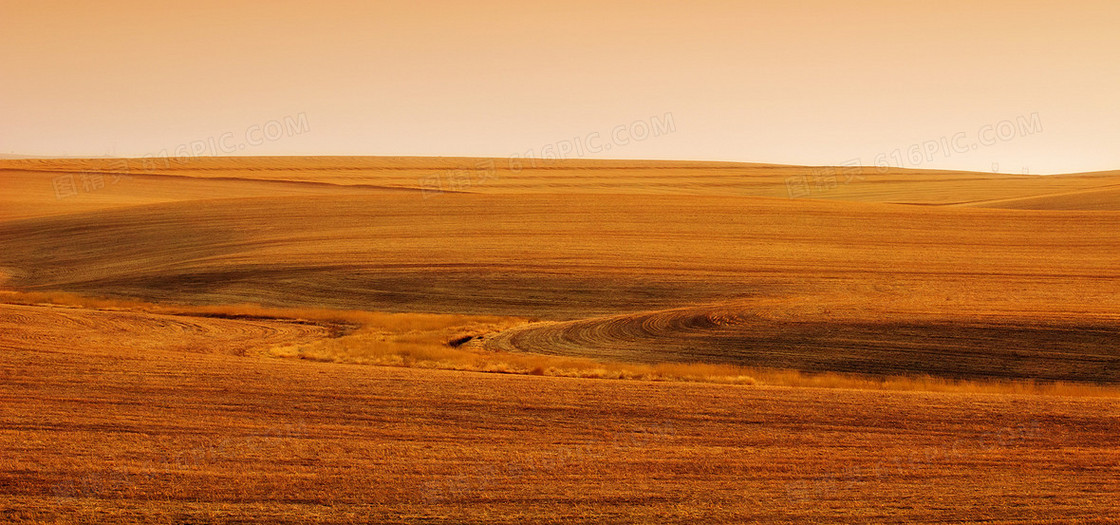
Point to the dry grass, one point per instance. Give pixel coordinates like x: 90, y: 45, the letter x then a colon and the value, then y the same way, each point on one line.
x: 850, y: 317
x: 579, y: 176
x: 926, y: 383
x: 158, y: 437
x: 405, y: 339
x: 853, y: 287
x: 422, y: 341
x: 429, y: 349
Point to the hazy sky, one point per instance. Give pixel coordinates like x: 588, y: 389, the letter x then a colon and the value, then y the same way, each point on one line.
x: 1016, y: 83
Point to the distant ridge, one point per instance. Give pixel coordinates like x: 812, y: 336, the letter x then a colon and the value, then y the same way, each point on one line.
x: 18, y: 156
x: 514, y: 175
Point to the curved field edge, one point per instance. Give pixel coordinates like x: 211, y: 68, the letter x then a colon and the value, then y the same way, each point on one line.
x: 460, y: 342
x: 769, y: 334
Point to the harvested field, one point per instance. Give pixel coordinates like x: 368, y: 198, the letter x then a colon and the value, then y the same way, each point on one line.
x: 171, y: 435
x: 204, y: 341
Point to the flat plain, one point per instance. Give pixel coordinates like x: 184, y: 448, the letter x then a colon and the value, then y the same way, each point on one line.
x: 157, y: 309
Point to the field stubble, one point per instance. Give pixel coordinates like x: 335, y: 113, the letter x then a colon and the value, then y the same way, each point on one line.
x: 164, y: 400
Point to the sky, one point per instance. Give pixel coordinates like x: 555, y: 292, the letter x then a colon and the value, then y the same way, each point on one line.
x: 1000, y: 85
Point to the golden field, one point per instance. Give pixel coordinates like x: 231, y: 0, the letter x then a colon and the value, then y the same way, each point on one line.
x: 300, y: 340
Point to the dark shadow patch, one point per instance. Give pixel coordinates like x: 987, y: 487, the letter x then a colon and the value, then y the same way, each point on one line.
x: 455, y: 343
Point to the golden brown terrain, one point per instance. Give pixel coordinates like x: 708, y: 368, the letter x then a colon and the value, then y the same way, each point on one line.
x: 124, y: 410
x: 173, y: 436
